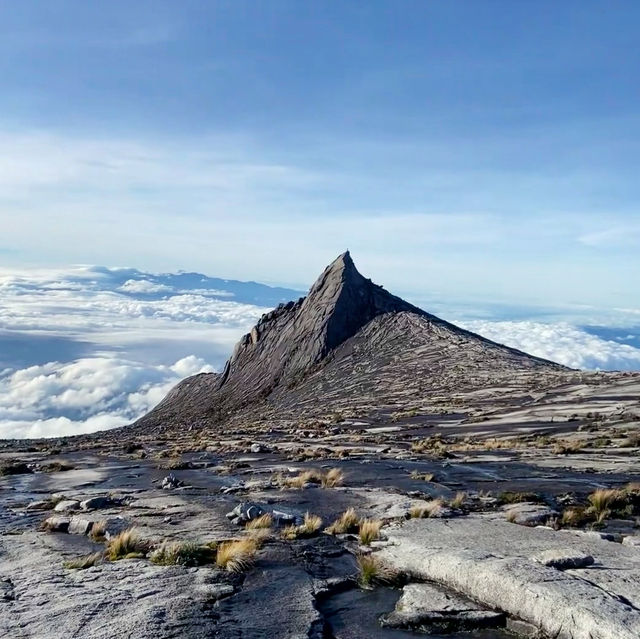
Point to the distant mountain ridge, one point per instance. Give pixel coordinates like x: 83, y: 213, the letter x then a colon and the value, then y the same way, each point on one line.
x: 346, y: 321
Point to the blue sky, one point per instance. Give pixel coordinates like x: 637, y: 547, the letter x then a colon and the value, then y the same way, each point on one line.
x: 484, y: 150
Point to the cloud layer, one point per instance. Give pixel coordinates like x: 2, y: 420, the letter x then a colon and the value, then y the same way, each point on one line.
x: 562, y: 343
x: 86, y: 395
x: 90, y: 348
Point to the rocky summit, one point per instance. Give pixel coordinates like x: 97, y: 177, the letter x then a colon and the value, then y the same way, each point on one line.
x: 347, y: 333
x: 361, y: 468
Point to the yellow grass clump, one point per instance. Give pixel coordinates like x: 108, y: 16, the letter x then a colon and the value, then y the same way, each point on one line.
x: 87, y: 561
x: 128, y: 544
x: 237, y: 555
x: 348, y: 522
x: 369, y: 530
x: 373, y: 572
x: 264, y: 521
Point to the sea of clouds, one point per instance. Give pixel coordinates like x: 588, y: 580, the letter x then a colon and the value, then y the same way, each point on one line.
x: 90, y: 348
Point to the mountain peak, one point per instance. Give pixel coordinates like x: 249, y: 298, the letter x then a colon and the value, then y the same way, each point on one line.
x: 294, y: 340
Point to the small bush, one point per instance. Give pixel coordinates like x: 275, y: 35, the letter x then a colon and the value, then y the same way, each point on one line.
x: 348, y: 522
x: 84, y: 562
x: 236, y: 556
x: 369, y: 531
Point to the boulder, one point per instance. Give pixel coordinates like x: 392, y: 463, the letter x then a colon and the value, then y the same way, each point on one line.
x: 40, y: 504
x: 563, y: 558
x: 114, y: 526
x: 79, y: 526
x: 632, y: 540
x: 93, y: 503
x: 529, y: 514
x: 489, y: 561
x: 282, y: 518
x: 67, y: 505
x: 57, y: 524
x: 245, y: 511
x: 171, y: 481
x: 428, y: 608
x: 259, y: 448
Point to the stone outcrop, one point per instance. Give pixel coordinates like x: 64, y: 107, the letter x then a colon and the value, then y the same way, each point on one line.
x: 343, y: 312
x: 427, y: 608
x: 493, y: 562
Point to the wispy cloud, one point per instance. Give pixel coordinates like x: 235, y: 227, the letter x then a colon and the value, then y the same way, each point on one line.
x: 625, y: 235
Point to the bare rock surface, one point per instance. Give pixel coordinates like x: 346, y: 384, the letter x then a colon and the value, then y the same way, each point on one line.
x: 129, y: 599
x: 564, y: 558
x: 490, y: 561
x: 428, y: 608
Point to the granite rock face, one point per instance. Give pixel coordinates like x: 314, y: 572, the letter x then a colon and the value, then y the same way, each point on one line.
x: 342, y: 312
x: 428, y: 608
x: 491, y: 562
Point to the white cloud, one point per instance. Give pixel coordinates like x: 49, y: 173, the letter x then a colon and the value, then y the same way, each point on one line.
x: 144, y: 286
x: 120, y: 339
x: 560, y: 343
x: 85, y: 395
x: 615, y: 236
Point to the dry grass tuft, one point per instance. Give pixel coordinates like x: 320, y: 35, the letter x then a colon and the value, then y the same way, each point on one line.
x: 568, y: 447
x: 236, y: 556
x: 369, y: 531
x: 574, y: 516
x: 182, y: 553
x: 348, y: 522
x: 422, y: 476
x: 459, y: 500
x: 98, y: 530
x: 512, y: 515
x: 260, y: 535
x: 605, y: 500
x: 81, y: 563
x: 127, y: 544
x: 373, y: 572
x: 264, y: 521
x: 309, y: 527
x: 430, y: 509
x: 333, y: 477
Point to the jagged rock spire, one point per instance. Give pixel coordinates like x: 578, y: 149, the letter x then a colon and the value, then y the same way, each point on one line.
x: 295, y: 337
x: 292, y: 341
